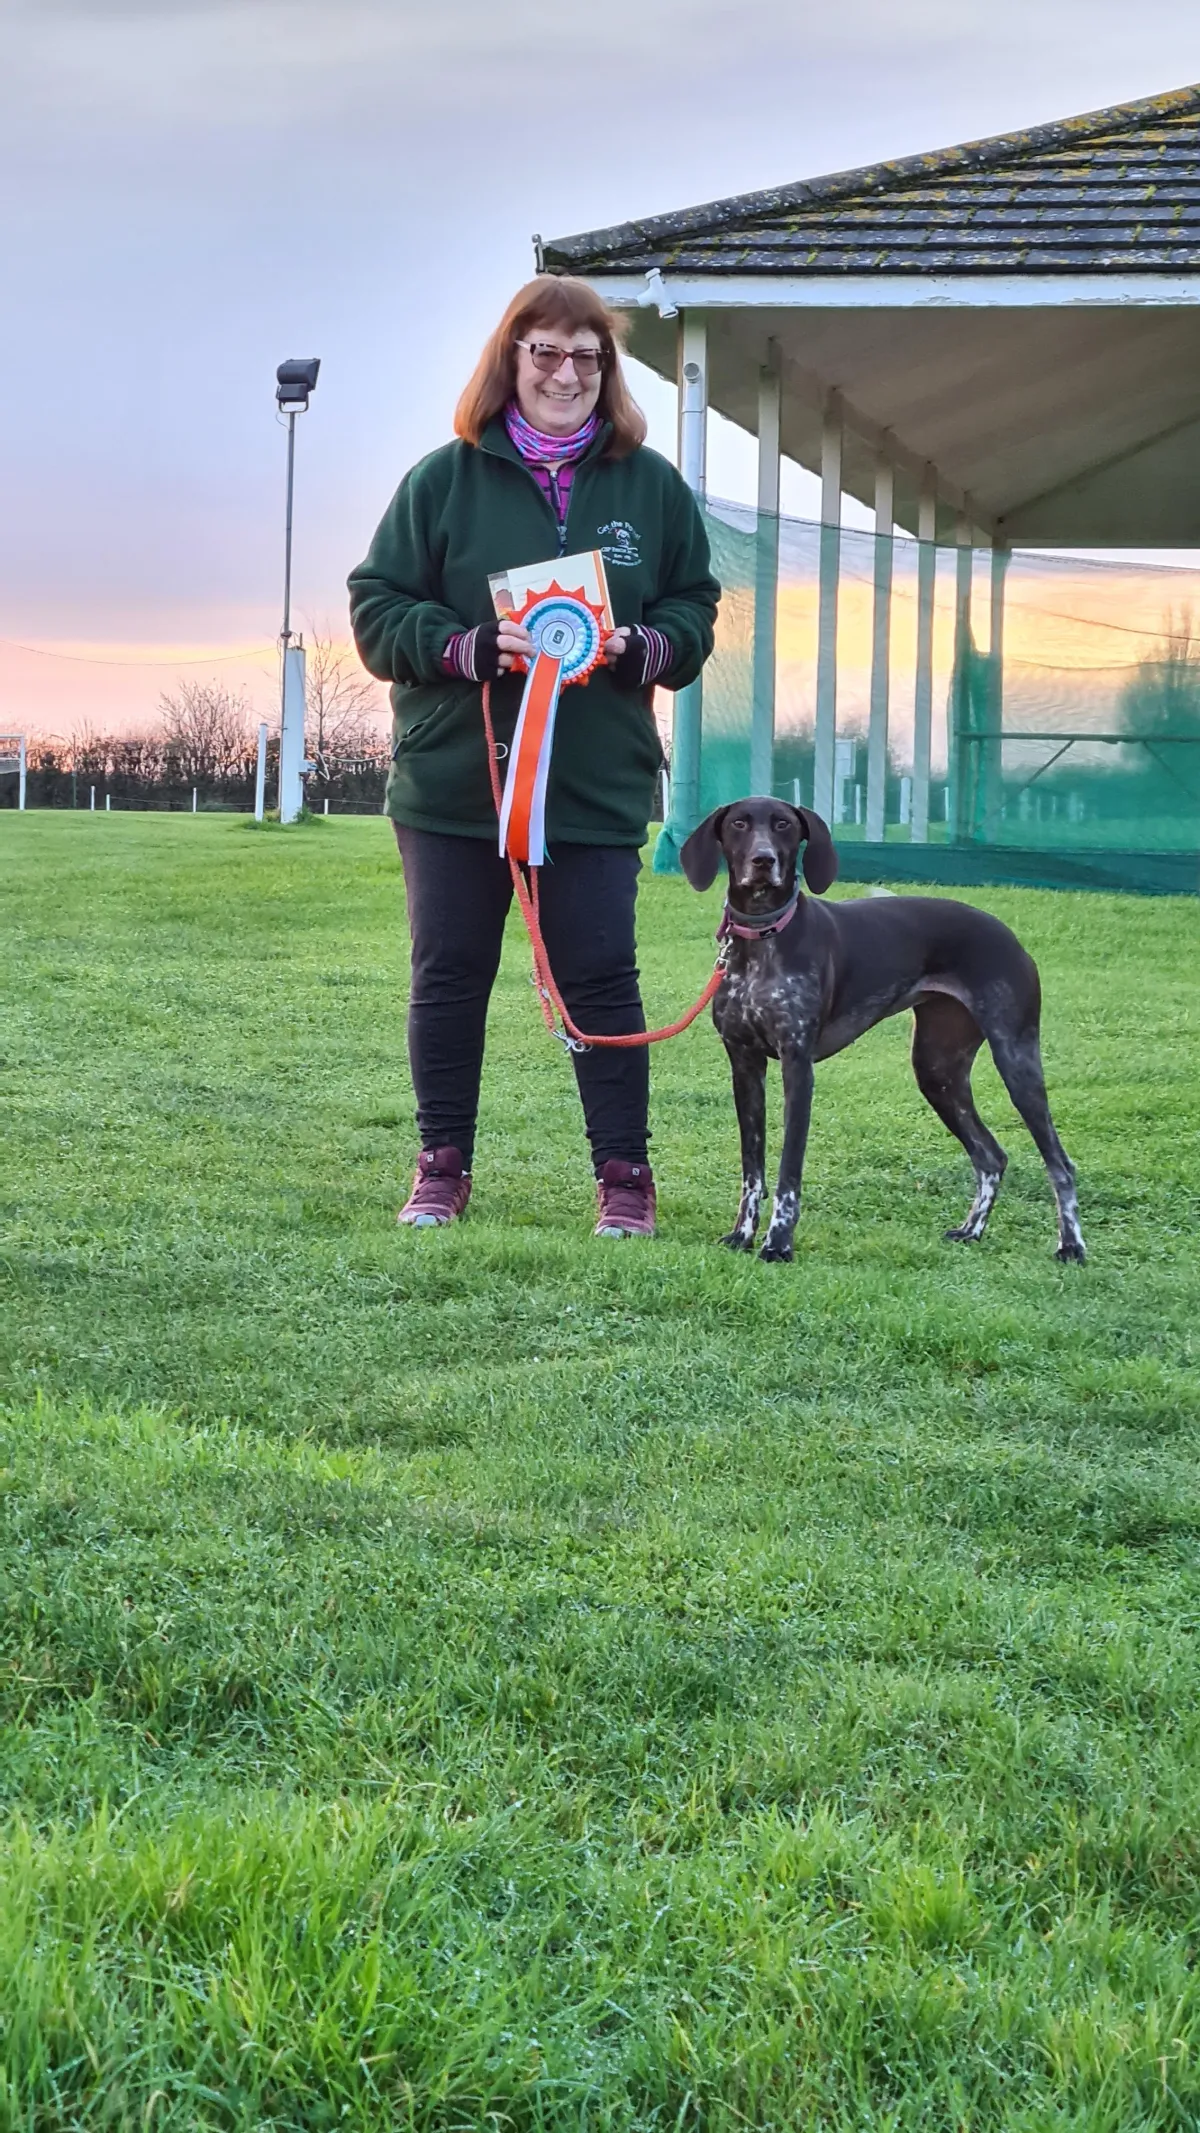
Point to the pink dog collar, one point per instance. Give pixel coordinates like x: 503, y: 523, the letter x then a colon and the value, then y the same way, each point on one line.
x: 761, y: 930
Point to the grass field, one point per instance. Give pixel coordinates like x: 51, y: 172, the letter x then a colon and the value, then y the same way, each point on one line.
x: 498, y: 1680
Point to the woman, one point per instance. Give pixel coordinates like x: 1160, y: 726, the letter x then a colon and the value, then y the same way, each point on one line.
x: 549, y: 460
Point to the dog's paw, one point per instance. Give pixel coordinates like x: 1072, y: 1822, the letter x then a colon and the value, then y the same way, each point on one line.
x: 777, y: 1250
x: 737, y: 1241
x: 1072, y: 1251
x: 966, y: 1233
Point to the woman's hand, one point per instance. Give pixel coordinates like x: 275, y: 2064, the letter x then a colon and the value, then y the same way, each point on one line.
x: 513, y: 641
x: 636, y: 655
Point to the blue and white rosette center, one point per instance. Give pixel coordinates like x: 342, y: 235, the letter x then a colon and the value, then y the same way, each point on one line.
x: 562, y: 629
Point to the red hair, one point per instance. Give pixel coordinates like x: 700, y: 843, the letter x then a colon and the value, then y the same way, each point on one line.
x: 552, y: 301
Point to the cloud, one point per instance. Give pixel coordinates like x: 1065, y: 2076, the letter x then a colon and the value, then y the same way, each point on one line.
x: 238, y: 63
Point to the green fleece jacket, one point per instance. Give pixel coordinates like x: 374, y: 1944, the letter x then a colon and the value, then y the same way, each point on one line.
x: 468, y: 511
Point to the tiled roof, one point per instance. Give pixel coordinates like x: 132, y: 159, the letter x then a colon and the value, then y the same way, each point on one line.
x: 1116, y: 191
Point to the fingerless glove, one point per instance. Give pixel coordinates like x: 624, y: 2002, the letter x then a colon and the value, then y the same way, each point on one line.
x: 474, y: 655
x: 647, y: 654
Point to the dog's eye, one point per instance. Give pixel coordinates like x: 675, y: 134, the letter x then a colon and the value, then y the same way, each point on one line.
x: 782, y: 826
x: 739, y: 823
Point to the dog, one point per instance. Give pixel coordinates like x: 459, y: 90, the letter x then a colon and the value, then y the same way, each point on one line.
x: 803, y: 980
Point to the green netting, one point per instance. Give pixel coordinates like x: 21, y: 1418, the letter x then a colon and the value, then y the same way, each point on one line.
x: 1067, y: 753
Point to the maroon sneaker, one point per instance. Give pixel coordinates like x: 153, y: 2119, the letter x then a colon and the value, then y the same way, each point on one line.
x: 440, y: 1191
x: 625, y: 1200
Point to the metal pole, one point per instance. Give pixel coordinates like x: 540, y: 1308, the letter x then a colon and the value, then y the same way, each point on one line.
x: 881, y: 642
x: 21, y: 774
x: 766, y: 573
x: 287, y: 537
x: 827, y: 607
x: 285, y: 634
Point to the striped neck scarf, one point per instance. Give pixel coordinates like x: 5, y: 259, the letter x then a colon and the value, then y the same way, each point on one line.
x: 539, y: 449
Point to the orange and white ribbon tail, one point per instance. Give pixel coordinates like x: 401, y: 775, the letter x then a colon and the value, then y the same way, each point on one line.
x: 523, y: 810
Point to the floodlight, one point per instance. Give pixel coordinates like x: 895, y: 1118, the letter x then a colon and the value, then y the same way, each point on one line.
x: 297, y: 378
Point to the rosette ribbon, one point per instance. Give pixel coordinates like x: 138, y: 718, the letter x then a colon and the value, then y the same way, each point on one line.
x: 567, y: 633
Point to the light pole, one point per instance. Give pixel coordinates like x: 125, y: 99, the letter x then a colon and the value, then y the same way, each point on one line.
x: 295, y: 381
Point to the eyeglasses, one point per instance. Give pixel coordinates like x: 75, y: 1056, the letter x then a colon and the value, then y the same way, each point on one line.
x: 546, y: 358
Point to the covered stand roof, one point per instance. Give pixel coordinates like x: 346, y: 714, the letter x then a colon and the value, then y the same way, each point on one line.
x: 1021, y: 312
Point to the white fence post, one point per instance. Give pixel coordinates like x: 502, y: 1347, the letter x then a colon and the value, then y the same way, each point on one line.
x: 260, y: 775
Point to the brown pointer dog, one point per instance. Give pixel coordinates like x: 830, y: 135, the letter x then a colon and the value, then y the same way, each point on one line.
x: 803, y: 980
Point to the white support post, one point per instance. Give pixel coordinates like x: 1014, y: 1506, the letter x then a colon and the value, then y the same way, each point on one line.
x: 1001, y: 558
x: 260, y: 774
x: 693, y: 401
x: 687, y: 724
x: 291, y: 737
x: 958, y: 707
x: 923, y: 693
x: 964, y: 571
x: 993, y: 747
x: 827, y: 607
x: 766, y: 573
x: 21, y: 765
x: 92, y: 802
x: 881, y: 644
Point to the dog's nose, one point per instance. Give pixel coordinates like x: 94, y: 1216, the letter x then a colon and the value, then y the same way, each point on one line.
x: 763, y: 857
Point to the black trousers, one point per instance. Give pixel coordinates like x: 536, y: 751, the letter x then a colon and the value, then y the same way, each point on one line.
x: 459, y: 890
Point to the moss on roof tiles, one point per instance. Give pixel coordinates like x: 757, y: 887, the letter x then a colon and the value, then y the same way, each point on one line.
x: 1074, y: 174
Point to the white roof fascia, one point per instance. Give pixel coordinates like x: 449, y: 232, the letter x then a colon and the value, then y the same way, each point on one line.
x: 669, y: 293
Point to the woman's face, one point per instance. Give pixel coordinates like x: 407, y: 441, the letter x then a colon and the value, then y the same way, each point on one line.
x: 555, y: 398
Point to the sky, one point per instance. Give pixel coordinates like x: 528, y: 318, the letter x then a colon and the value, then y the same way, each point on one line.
x: 194, y: 189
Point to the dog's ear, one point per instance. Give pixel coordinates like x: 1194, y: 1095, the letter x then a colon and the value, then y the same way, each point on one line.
x: 701, y: 853
x: 820, y: 855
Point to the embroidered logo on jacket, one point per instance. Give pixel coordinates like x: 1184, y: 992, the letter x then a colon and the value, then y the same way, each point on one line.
x: 619, y: 543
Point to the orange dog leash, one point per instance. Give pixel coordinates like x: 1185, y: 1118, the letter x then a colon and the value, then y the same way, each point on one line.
x: 549, y: 997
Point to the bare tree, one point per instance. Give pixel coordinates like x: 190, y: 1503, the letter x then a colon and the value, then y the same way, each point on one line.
x: 1162, y: 695
x: 345, y: 708
x: 205, y: 730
